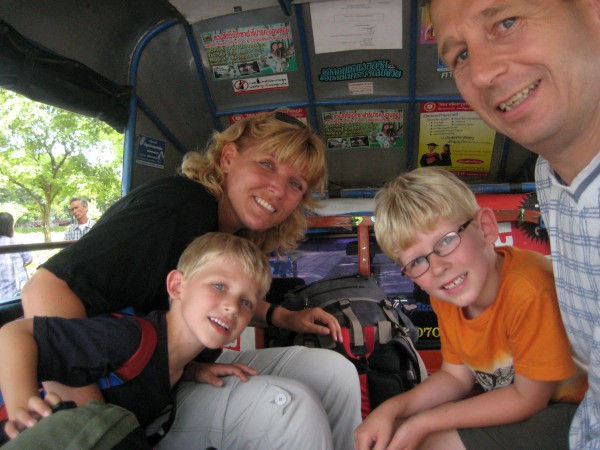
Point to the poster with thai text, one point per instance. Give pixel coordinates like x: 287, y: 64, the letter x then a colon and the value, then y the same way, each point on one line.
x: 375, y: 128
x: 452, y: 135
x: 250, y: 51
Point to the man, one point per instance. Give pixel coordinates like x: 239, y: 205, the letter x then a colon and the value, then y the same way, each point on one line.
x: 79, y: 209
x: 431, y: 157
x: 529, y: 69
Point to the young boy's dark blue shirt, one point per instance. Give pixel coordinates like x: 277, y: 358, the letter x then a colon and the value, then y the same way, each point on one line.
x: 78, y: 352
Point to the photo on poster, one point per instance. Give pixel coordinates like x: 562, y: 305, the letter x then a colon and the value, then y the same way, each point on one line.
x: 250, y: 51
x: 371, y: 128
x: 426, y: 32
x: 453, y: 136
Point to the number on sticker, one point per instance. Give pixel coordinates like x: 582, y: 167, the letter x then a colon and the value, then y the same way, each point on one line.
x: 429, y: 332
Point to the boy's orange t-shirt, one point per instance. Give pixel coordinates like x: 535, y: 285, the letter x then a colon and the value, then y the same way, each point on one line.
x: 521, y: 332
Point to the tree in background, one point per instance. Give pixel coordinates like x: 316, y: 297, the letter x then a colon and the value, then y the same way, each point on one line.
x: 48, y: 155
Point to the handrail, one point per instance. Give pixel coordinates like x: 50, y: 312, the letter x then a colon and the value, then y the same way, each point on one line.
x: 18, y: 248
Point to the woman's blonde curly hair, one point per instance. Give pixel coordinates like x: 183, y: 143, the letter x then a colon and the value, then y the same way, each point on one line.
x: 290, y: 143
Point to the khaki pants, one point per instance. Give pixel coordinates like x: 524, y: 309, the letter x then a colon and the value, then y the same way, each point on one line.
x: 303, y: 398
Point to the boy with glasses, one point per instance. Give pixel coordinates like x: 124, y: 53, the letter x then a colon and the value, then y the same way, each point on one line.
x: 500, y: 326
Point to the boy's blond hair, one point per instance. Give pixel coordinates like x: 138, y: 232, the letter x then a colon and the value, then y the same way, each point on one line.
x: 290, y: 142
x: 214, y: 245
x: 417, y: 201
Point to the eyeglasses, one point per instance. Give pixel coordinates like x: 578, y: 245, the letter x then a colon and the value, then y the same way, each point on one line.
x: 289, y: 119
x: 443, y: 247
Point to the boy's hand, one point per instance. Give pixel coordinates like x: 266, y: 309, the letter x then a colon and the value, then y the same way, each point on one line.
x: 211, y: 373
x: 312, y: 320
x: 410, y: 434
x: 376, y: 430
x: 37, y: 408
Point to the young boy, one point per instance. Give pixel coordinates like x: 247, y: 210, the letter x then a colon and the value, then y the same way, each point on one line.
x: 499, y: 325
x: 218, y: 281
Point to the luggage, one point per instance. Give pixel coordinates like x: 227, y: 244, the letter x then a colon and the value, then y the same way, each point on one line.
x: 93, y: 426
x: 378, y: 336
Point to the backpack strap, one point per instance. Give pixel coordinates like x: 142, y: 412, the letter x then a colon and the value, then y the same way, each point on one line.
x: 358, y: 338
x: 388, y: 309
x: 138, y: 361
x: 403, y: 334
x: 369, y: 342
x: 3, y: 412
x: 384, y: 332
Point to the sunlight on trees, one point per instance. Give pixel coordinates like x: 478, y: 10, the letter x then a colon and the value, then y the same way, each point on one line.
x: 48, y: 155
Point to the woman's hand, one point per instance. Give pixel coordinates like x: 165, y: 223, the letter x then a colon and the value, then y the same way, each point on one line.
x: 211, y: 373
x: 37, y: 409
x: 312, y: 320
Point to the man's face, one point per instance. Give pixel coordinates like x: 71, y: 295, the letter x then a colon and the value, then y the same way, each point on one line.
x: 528, y: 68
x: 79, y: 211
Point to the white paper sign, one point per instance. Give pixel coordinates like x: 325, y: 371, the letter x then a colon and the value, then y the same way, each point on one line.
x: 344, y: 25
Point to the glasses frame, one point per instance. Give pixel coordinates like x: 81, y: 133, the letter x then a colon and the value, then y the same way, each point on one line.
x: 462, y: 228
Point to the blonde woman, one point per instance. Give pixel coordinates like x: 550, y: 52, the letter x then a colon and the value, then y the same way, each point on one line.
x: 254, y: 179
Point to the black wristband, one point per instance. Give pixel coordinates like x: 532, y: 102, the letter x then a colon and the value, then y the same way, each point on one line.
x: 63, y: 405
x: 269, y: 315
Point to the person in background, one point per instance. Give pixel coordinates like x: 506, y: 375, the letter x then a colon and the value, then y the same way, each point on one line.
x: 488, y: 301
x: 254, y: 179
x: 79, y: 210
x: 445, y: 156
x: 540, y: 88
x: 13, y: 273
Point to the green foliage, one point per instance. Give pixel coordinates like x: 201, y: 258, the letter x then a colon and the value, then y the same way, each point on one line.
x: 48, y: 155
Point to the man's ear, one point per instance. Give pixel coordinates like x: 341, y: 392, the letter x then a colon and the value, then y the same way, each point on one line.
x: 228, y: 154
x: 174, y: 284
x: 488, y: 224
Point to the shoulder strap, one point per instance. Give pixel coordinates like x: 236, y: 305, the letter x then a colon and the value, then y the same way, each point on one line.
x: 3, y: 413
x: 358, y: 338
x: 138, y: 361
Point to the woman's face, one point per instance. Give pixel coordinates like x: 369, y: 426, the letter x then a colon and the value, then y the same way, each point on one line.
x: 259, y: 192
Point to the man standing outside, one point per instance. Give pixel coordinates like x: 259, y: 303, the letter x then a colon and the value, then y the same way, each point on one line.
x: 79, y: 210
x: 530, y: 70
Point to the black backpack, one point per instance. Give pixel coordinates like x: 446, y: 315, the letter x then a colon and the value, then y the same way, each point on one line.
x: 378, y: 337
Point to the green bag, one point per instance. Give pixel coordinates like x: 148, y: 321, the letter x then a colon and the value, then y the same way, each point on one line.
x: 94, y: 426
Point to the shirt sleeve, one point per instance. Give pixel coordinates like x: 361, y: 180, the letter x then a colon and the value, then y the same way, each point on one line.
x: 77, y: 352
